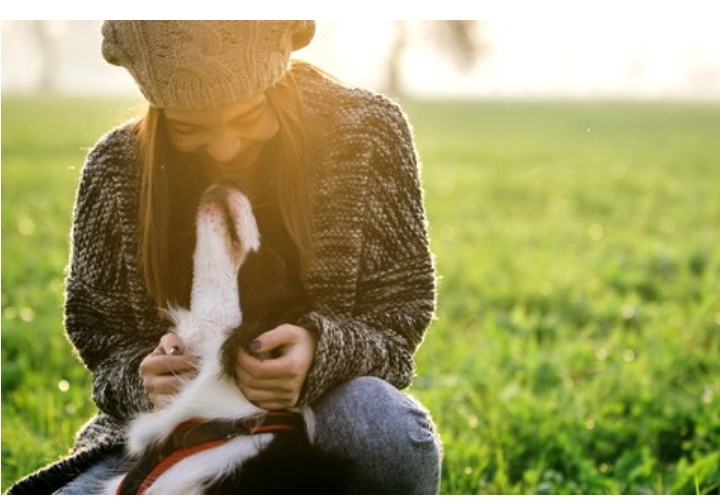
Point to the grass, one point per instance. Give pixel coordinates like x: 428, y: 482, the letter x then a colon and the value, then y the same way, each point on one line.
x: 577, y: 344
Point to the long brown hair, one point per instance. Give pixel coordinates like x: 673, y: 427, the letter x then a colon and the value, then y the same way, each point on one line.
x: 171, y: 187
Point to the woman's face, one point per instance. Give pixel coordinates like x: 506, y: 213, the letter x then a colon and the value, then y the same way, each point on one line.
x: 230, y: 136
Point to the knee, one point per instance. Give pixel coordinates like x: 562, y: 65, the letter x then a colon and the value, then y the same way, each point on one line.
x: 389, y: 436
x: 363, y: 395
x: 372, y: 406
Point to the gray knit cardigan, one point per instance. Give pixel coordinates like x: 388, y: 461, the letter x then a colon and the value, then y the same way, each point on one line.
x: 372, y: 284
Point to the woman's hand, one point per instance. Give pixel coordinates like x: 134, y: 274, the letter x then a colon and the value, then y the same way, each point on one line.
x: 164, y: 370
x: 272, y: 374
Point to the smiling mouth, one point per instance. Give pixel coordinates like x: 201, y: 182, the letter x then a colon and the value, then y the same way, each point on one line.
x: 242, y: 160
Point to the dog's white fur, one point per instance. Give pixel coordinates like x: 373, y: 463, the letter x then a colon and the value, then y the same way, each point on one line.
x: 214, y: 313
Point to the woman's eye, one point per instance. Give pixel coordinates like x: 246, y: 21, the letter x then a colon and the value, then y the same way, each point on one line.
x: 249, y: 119
x: 240, y: 123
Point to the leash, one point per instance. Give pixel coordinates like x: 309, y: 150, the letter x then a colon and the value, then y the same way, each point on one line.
x: 195, y: 436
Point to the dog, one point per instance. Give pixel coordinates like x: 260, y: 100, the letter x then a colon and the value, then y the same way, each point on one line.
x: 211, y: 439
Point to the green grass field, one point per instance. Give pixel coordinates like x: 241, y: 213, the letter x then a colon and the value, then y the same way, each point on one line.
x: 577, y: 343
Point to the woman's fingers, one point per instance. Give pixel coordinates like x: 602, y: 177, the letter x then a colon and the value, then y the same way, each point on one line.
x: 271, y: 399
x: 171, y: 344
x: 273, y: 372
x: 268, y: 386
x: 163, y: 364
x: 164, y: 375
x: 270, y: 368
x: 165, y: 369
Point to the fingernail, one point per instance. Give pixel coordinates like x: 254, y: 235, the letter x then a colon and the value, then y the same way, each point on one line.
x: 174, y: 350
x: 256, y: 345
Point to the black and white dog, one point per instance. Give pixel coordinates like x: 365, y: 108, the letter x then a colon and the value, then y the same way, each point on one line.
x: 211, y: 439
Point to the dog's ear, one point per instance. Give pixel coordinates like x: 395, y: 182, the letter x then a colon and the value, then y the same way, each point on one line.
x: 267, y: 281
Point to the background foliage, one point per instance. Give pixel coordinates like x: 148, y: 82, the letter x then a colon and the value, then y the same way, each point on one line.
x: 577, y: 343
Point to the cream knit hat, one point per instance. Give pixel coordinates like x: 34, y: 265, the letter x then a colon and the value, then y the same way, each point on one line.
x: 203, y: 64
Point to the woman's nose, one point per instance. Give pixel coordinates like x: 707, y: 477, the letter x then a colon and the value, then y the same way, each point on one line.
x: 224, y: 148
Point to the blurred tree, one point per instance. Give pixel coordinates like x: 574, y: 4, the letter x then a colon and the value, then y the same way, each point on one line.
x: 460, y: 39
x: 45, y: 35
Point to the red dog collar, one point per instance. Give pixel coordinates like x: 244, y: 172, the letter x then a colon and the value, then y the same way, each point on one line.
x: 195, y: 436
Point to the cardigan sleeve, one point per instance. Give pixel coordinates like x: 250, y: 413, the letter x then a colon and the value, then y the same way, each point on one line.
x: 108, y: 317
x: 374, y: 278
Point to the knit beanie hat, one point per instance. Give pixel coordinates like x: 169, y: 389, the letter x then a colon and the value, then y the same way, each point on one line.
x: 203, y: 64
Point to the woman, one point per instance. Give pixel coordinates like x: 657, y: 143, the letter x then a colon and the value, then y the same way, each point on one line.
x: 332, y: 172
